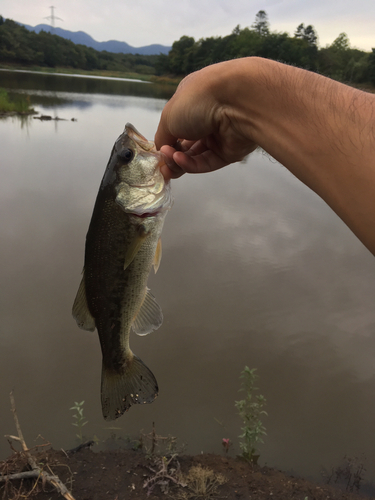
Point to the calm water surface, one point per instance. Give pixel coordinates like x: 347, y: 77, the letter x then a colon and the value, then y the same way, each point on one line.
x: 256, y: 271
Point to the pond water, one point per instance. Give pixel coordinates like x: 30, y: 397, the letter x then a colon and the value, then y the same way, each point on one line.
x: 256, y: 271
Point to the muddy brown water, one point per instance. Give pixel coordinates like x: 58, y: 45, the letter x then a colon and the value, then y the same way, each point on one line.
x: 256, y: 271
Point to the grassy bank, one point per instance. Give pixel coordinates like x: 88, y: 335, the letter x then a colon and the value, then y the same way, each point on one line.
x: 21, y: 105
x: 103, y: 73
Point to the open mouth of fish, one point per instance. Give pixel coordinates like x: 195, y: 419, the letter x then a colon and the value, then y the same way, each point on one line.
x: 138, y: 138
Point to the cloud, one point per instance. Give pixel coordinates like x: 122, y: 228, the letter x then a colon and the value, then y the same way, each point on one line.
x: 164, y: 21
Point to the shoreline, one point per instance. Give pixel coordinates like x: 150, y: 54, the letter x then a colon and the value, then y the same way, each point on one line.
x: 104, y: 74
x: 135, y: 474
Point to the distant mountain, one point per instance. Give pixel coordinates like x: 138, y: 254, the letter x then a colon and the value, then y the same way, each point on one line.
x: 80, y: 37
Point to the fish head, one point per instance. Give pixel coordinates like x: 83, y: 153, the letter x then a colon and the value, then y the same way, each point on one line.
x: 140, y: 186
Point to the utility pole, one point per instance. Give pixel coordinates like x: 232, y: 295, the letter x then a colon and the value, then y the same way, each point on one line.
x: 52, y: 17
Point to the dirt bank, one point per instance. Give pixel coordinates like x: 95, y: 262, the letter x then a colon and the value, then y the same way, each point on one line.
x: 128, y: 474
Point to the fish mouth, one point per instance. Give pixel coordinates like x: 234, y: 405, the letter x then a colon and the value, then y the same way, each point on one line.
x: 156, y: 197
x: 145, y: 215
x: 138, y: 138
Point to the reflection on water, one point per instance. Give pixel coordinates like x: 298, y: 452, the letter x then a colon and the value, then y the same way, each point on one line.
x: 256, y: 271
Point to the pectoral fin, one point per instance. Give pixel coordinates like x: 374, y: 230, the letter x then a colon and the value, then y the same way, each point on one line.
x: 149, y: 316
x: 136, y: 244
x: 80, y: 310
x: 157, y: 257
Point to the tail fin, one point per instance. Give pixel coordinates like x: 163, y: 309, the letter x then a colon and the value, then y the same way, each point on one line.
x: 135, y: 384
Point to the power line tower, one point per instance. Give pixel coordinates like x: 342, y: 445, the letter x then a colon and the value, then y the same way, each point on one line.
x: 52, y: 17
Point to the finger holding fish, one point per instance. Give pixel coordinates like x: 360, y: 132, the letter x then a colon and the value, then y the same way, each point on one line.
x: 192, y: 157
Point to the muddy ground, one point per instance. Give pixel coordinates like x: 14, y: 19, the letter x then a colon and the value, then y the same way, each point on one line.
x: 129, y: 474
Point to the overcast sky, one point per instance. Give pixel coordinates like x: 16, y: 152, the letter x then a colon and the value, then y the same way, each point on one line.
x: 142, y: 22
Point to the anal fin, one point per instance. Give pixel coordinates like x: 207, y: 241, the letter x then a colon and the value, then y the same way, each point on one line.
x: 149, y: 316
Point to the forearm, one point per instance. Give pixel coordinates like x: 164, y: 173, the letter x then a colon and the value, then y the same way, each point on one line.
x: 321, y: 130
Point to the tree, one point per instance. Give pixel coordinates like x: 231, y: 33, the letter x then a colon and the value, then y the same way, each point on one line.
x: 310, y: 36
x: 299, y: 31
x: 247, y: 43
x: 371, y: 67
x: 335, y: 59
x: 341, y: 43
x: 179, y: 54
x: 237, y: 30
x: 162, y: 65
x: 307, y: 33
x: 19, y: 45
x: 261, y: 25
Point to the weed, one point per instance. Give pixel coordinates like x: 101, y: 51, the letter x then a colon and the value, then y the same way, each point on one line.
x: 251, y: 410
x: 200, y: 483
x: 349, y: 474
x: 79, y: 421
x: 152, y: 444
x: 166, y: 472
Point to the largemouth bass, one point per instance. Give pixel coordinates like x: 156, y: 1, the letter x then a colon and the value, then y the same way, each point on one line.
x: 122, y: 244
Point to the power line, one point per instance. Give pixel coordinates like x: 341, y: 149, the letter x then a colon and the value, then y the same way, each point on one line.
x: 52, y: 17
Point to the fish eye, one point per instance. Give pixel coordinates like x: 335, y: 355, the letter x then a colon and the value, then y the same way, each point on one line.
x: 126, y: 154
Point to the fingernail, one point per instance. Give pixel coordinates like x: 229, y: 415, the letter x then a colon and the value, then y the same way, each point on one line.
x: 178, y: 145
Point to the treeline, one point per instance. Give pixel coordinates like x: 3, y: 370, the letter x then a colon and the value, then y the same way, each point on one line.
x: 338, y: 60
x: 21, y: 46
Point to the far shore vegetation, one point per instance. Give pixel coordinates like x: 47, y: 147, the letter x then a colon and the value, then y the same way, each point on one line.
x: 46, y: 52
x: 165, y: 79
x: 20, y: 105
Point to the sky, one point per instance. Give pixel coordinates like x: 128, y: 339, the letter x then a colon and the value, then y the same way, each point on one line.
x: 143, y: 22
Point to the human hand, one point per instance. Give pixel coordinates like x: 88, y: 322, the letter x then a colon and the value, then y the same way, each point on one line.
x: 200, y: 128
x: 322, y: 131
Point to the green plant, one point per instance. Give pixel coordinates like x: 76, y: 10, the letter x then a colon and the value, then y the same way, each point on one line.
x: 19, y: 105
x: 251, y: 410
x: 5, y: 104
x: 79, y: 419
